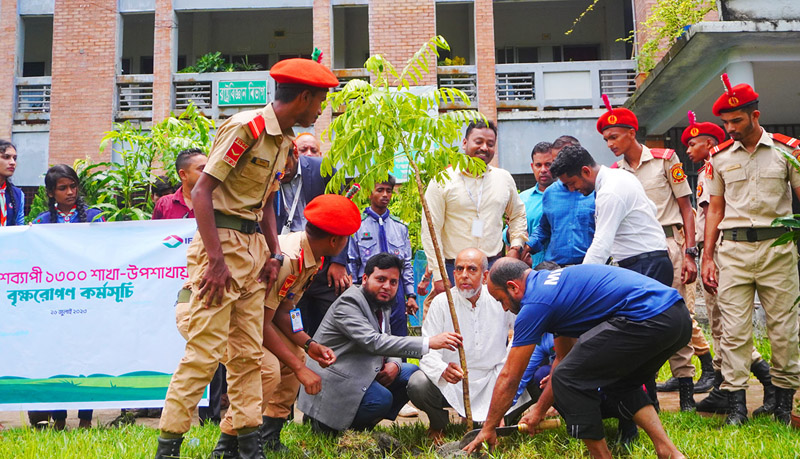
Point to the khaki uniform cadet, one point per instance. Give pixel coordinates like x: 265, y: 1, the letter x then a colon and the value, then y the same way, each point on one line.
x: 300, y: 265
x: 246, y: 159
x: 748, y: 190
x: 664, y: 181
x: 695, y: 137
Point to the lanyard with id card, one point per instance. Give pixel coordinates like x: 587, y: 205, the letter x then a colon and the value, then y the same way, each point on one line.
x: 477, y: 222
x: 297, y: 320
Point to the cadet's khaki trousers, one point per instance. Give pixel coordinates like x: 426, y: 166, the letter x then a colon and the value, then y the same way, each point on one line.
x: 279, y: 385
x: 230, y: 332
x: 681, y: 362
x: 746, y: 268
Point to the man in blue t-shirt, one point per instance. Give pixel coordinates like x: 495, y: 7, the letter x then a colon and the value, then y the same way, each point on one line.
x: 613, y: 329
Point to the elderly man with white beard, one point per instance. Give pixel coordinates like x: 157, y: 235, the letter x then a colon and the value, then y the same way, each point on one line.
x: 484, y: 328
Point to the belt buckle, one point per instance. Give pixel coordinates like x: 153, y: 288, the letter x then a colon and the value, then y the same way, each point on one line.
x: 751, y: 235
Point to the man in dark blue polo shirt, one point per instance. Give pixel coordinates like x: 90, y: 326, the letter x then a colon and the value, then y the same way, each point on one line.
x: 613, y: 328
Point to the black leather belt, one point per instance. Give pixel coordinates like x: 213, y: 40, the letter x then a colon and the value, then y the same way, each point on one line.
x: 654, y: 254
x: 234, y: 223
x: 752, y: 234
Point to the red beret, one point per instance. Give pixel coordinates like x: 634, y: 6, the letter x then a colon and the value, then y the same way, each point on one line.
x: 696, y: 129
x: 303, y: 71
x: 333, y: 214
x: 734, y: 98
x: 616, y: 117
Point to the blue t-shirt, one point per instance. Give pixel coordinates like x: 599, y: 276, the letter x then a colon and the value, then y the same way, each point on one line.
x: 572, y: 300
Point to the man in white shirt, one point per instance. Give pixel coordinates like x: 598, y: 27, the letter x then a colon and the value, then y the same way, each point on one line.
x: 626, y: 227
x: 469, y: 211
x: 484, y: 328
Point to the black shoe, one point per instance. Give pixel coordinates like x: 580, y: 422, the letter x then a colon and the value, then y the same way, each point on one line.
x: 716, y: 402
x: 670, y: 385
x: 686, y: 391
x: 271, y: 434
x: 227, y: 447
x: 761, y: 371
x: 737, y: 400
x: 628, y: 432
x: 783, y: 409
x: 706, y: 380
x: 718, y: 379
x: 169, y: 448
x: 251, y: 446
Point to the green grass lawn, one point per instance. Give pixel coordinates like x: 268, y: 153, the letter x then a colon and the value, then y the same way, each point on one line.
x: 696, y: 436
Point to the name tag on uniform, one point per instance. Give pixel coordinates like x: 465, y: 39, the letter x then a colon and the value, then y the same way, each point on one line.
x: 477, y: 227
x: 297, y: 320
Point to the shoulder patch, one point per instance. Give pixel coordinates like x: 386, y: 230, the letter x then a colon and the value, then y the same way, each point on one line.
x: 257, y: 126
x: 235, y: 151
x: 662, y: 153
x: 677, y: 173
x: 615, y: 165
x: 721, y: 147
x: 699, y: 189
x: 785, y: 139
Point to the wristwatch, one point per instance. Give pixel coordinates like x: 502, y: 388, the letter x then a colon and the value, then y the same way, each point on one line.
x: 411, y: 295
x: 692, y: 252
x: 278, y: 256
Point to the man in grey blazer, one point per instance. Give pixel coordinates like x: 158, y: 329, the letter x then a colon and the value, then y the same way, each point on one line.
x: 368, y: 381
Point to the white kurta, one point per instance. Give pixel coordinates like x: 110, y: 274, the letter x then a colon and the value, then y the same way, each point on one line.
x: 485, y: 331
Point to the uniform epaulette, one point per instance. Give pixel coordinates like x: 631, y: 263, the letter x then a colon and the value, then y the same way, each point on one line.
x: 397, y: 219
x: 785, y: 139
x: 364, y: 216
x: 662, y: 153
x: 721, y: 147
x: 615, y: 165
x: 257, y: 126
x: 702, y: 168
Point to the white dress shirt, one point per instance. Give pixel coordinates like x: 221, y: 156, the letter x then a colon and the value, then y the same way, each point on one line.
x: 625, y: 219
x: 485, y: 331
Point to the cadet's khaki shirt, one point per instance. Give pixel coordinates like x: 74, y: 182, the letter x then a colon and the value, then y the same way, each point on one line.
x: 701, y: 197
x: 248, y: 166
x: 293, y: 279
x: 664, y: 181
x: 754, y: 185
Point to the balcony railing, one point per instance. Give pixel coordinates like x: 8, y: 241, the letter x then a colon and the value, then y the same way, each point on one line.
x: 346, y: 75
x: 134, y: 97
x: 559, y: 85
x: 463, y: 77
x: 33, y: 99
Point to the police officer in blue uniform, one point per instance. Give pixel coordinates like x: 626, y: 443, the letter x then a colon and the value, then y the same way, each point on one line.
x: 382, y: 232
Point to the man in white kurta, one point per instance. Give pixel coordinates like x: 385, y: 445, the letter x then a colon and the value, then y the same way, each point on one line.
x: 485, y: 329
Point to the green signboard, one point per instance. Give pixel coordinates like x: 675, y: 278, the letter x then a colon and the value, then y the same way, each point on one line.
x: 242, y: 93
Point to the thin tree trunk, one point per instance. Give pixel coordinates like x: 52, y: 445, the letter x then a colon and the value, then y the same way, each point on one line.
x: 443, y: 272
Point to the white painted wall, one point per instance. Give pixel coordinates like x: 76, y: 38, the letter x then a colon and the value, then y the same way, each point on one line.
x: 529, y: 24
x: 245, y: 32
x: 32, y: 161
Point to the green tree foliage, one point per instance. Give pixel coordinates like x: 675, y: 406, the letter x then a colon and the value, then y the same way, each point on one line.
x: 123, y: 190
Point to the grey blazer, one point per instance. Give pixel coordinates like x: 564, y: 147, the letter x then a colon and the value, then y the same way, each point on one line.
x: 351, y: 330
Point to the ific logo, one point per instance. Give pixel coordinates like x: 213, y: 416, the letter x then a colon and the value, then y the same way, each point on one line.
x: 172, y: 241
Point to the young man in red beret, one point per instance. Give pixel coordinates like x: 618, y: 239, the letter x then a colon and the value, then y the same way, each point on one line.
x: 700, y: 139
x: 229, y: 263
x: 661, y: 174
x: 749, y: 181
x: 285, y: 340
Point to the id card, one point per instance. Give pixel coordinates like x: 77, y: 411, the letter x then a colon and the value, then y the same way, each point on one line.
x: 297, y: 320
x: 477, y: 227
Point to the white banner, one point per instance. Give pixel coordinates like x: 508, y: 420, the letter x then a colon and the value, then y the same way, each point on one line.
x: 87, y: 313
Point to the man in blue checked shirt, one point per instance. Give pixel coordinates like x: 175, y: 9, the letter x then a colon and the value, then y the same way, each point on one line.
x: 382, y: 232
x: 541, y: 159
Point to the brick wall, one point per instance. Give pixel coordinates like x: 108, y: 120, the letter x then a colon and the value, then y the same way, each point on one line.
x: 8, y: 48
x: 398, y: 29
x: 84, y: 57
x: 484, y: 56
x: 163, y: 60
x: 322, y: 17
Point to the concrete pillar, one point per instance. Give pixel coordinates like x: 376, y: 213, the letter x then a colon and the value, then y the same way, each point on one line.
x: 8, y: 72
x: 322, y: 19
x: 84, y: 78
x: 165, y: 45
